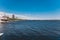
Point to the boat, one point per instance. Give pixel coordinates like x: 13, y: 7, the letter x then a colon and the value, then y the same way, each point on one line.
x: 3, y: 19
x: 1, y: 34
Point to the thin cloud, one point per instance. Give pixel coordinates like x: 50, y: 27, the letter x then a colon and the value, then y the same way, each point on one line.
x: 53, y: 16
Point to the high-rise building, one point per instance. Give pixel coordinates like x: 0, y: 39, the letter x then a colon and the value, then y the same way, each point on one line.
x: 13, y: 16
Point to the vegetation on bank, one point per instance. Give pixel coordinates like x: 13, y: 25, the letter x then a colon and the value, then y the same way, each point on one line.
x: 13, y: 19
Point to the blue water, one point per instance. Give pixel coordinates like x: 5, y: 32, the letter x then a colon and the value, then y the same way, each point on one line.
x: 31, y: 30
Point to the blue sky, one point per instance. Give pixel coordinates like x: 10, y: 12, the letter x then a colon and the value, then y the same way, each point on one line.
x: 35, y: 9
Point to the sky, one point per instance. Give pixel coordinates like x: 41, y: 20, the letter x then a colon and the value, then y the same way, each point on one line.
x: 32, y: 9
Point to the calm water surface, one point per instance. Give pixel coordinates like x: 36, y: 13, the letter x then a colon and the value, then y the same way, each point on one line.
x: 31, y: 30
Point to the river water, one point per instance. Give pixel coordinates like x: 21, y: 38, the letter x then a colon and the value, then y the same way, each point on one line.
x: 31, y: 30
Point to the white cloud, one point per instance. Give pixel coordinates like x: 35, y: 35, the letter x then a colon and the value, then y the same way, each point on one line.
x: 17, y: 15
x: 48, y: 16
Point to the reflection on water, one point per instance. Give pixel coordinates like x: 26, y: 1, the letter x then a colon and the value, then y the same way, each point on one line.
x: 31, y: 30
x: 1, y: 28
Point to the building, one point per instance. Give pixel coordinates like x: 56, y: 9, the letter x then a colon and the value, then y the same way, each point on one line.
x: 13, y: 16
